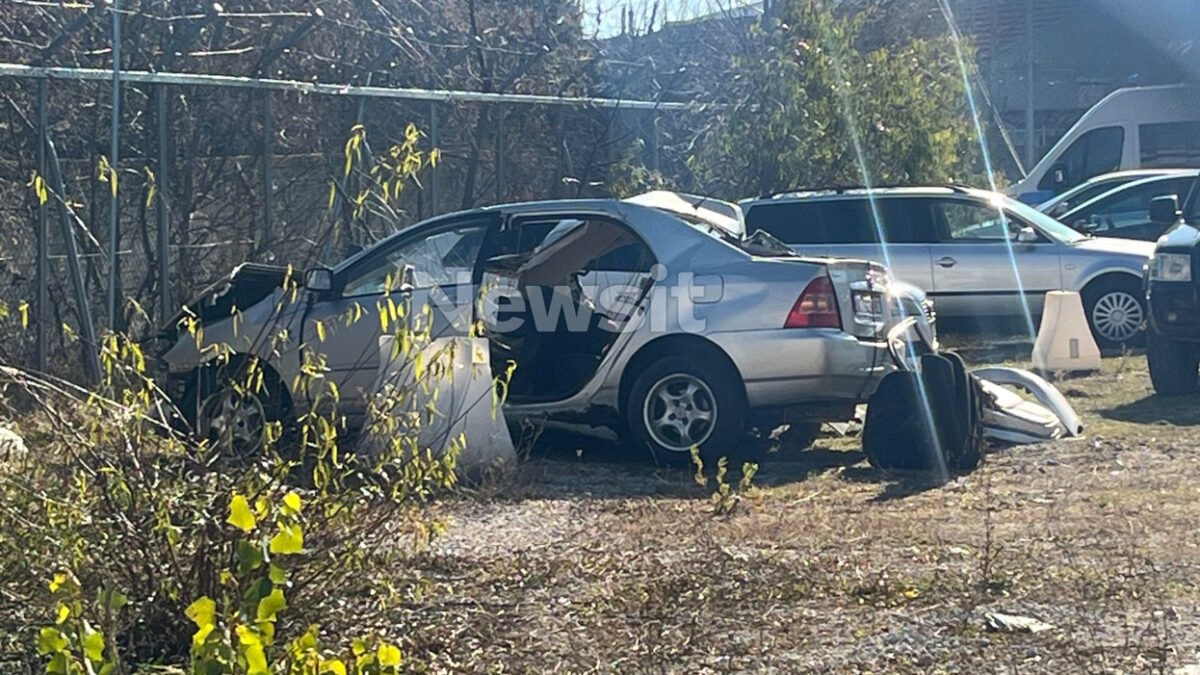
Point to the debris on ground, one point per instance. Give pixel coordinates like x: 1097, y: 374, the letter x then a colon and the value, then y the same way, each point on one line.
x: 1014, y: 623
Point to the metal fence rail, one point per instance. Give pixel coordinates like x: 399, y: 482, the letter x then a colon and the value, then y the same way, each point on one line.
x: 156, y: 154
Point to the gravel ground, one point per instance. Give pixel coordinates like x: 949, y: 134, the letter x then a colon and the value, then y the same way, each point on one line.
x: 591, y: 561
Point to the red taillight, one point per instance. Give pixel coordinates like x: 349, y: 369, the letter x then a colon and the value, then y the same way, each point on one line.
x: 816, y: 307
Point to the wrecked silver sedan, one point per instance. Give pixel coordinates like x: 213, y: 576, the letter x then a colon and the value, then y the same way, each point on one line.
x: 655, y: 317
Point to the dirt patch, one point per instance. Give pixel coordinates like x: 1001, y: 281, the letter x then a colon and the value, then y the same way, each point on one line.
x: 827, y: 565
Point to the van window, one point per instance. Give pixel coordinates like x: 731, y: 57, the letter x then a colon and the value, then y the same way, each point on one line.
x: 1170, y: 144
x: 1097, y: 151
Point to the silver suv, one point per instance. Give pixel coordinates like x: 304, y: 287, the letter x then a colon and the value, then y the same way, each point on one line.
x: 977, y: 253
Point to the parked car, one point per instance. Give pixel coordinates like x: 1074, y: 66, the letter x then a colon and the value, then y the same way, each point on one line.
x: 1136, y: 127
x: 1096, y: 186
x: 1125, y: 211
x: 1173, y: 296
x: 977, y: 253
x: 736, y: 330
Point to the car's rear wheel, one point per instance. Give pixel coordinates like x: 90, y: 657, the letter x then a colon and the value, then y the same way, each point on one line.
x: 677, y: 404
x: 1174, y: 366
x: 1116, y: 311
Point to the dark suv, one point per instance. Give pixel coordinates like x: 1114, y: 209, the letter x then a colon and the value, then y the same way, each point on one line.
x: 1173, y: 296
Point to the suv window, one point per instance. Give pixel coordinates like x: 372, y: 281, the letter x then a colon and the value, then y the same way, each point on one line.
x: 968, y: 221
x: 1097, y: 151
x: 844, y: 221
x: 1170, y: 144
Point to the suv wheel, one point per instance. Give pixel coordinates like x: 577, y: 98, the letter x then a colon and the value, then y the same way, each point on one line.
x: 1174, y: 366
x: 677, y: 404
x: 1116, y: 311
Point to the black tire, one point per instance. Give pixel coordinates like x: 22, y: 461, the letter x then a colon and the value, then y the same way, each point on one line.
x: 209, y: 392
x: 724, y: 436
x: 1110, y: 304
x: 1174, y: 366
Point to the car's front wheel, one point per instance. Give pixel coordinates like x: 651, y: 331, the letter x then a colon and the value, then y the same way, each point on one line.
x: 1174, y: 366
x: 1116, y: 311
x: 677, y: 404
x: 234, y: 420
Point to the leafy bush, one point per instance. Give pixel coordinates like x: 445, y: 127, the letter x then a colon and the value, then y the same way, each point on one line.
x: 194, y: 555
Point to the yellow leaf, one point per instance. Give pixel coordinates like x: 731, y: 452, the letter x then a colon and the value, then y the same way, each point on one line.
x: 290, y: 539
x: 292, y: 501
x: 202, y: 612
x: 388, y: 655
x: 333, y: 667
x: 271, y: 605
x: 911, y: 593
x: 320, y: 332
x: 64, y: 613
x: 240, y: 515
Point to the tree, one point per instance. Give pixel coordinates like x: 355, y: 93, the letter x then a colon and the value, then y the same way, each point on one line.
x: 809, y: 108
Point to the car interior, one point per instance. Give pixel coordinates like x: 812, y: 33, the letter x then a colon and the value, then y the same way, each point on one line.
x: 563, y: 288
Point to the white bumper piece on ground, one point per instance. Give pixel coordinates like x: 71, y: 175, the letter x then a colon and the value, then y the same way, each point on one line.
x: 1010, y: 418
x: 454, y: 381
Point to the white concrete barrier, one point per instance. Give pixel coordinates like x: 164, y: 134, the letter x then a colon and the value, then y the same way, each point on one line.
x: 1064, y: 340
x: 455, y: 382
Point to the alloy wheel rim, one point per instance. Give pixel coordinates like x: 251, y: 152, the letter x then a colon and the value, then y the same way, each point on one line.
x: 1117, y: 316
x: 235, y: 422
x: 680, y: 412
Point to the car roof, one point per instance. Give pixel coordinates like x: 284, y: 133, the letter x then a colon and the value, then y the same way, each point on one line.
x: 822, y: 194
x: 1110, y: 194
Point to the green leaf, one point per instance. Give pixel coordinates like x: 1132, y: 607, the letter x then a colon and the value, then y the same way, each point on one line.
x: 271, y: 605
x: 115, y: 599
x: 250, y: 557
x: 50, y: 641
x: 290, y: 539
x: 93, y: 645
x: 202, y: 612
x: 240, y: 515
x: 277, y: 574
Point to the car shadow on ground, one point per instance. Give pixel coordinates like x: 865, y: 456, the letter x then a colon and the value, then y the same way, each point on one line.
x: 1177, y: 410
x: 567, y: 466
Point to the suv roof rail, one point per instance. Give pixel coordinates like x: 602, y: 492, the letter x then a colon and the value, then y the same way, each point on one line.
x: 840, y: 189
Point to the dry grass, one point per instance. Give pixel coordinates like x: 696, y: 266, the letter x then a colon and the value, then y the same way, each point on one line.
x: 589, y: 565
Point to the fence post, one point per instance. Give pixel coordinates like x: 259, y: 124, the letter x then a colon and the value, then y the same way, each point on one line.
x: 500, y: 142
x: 268, y: 143
x: 114, y: 218
x: 43, y: 238
x: 163, y: 206
x: 433, y: 172
x: 91, y: 348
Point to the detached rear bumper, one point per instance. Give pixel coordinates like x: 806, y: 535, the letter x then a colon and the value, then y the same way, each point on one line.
x: 790, y: 366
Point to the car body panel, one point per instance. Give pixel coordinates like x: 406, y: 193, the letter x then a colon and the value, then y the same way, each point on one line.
x: 976, y: 278
x: 706, y: 287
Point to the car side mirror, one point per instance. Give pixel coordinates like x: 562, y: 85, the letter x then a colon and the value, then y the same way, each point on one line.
x: 1164, y: 210
x: 1027, y: 235
x: 319, y: 279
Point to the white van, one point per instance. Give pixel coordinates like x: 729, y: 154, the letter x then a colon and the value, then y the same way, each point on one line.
x: 1140, y: 127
